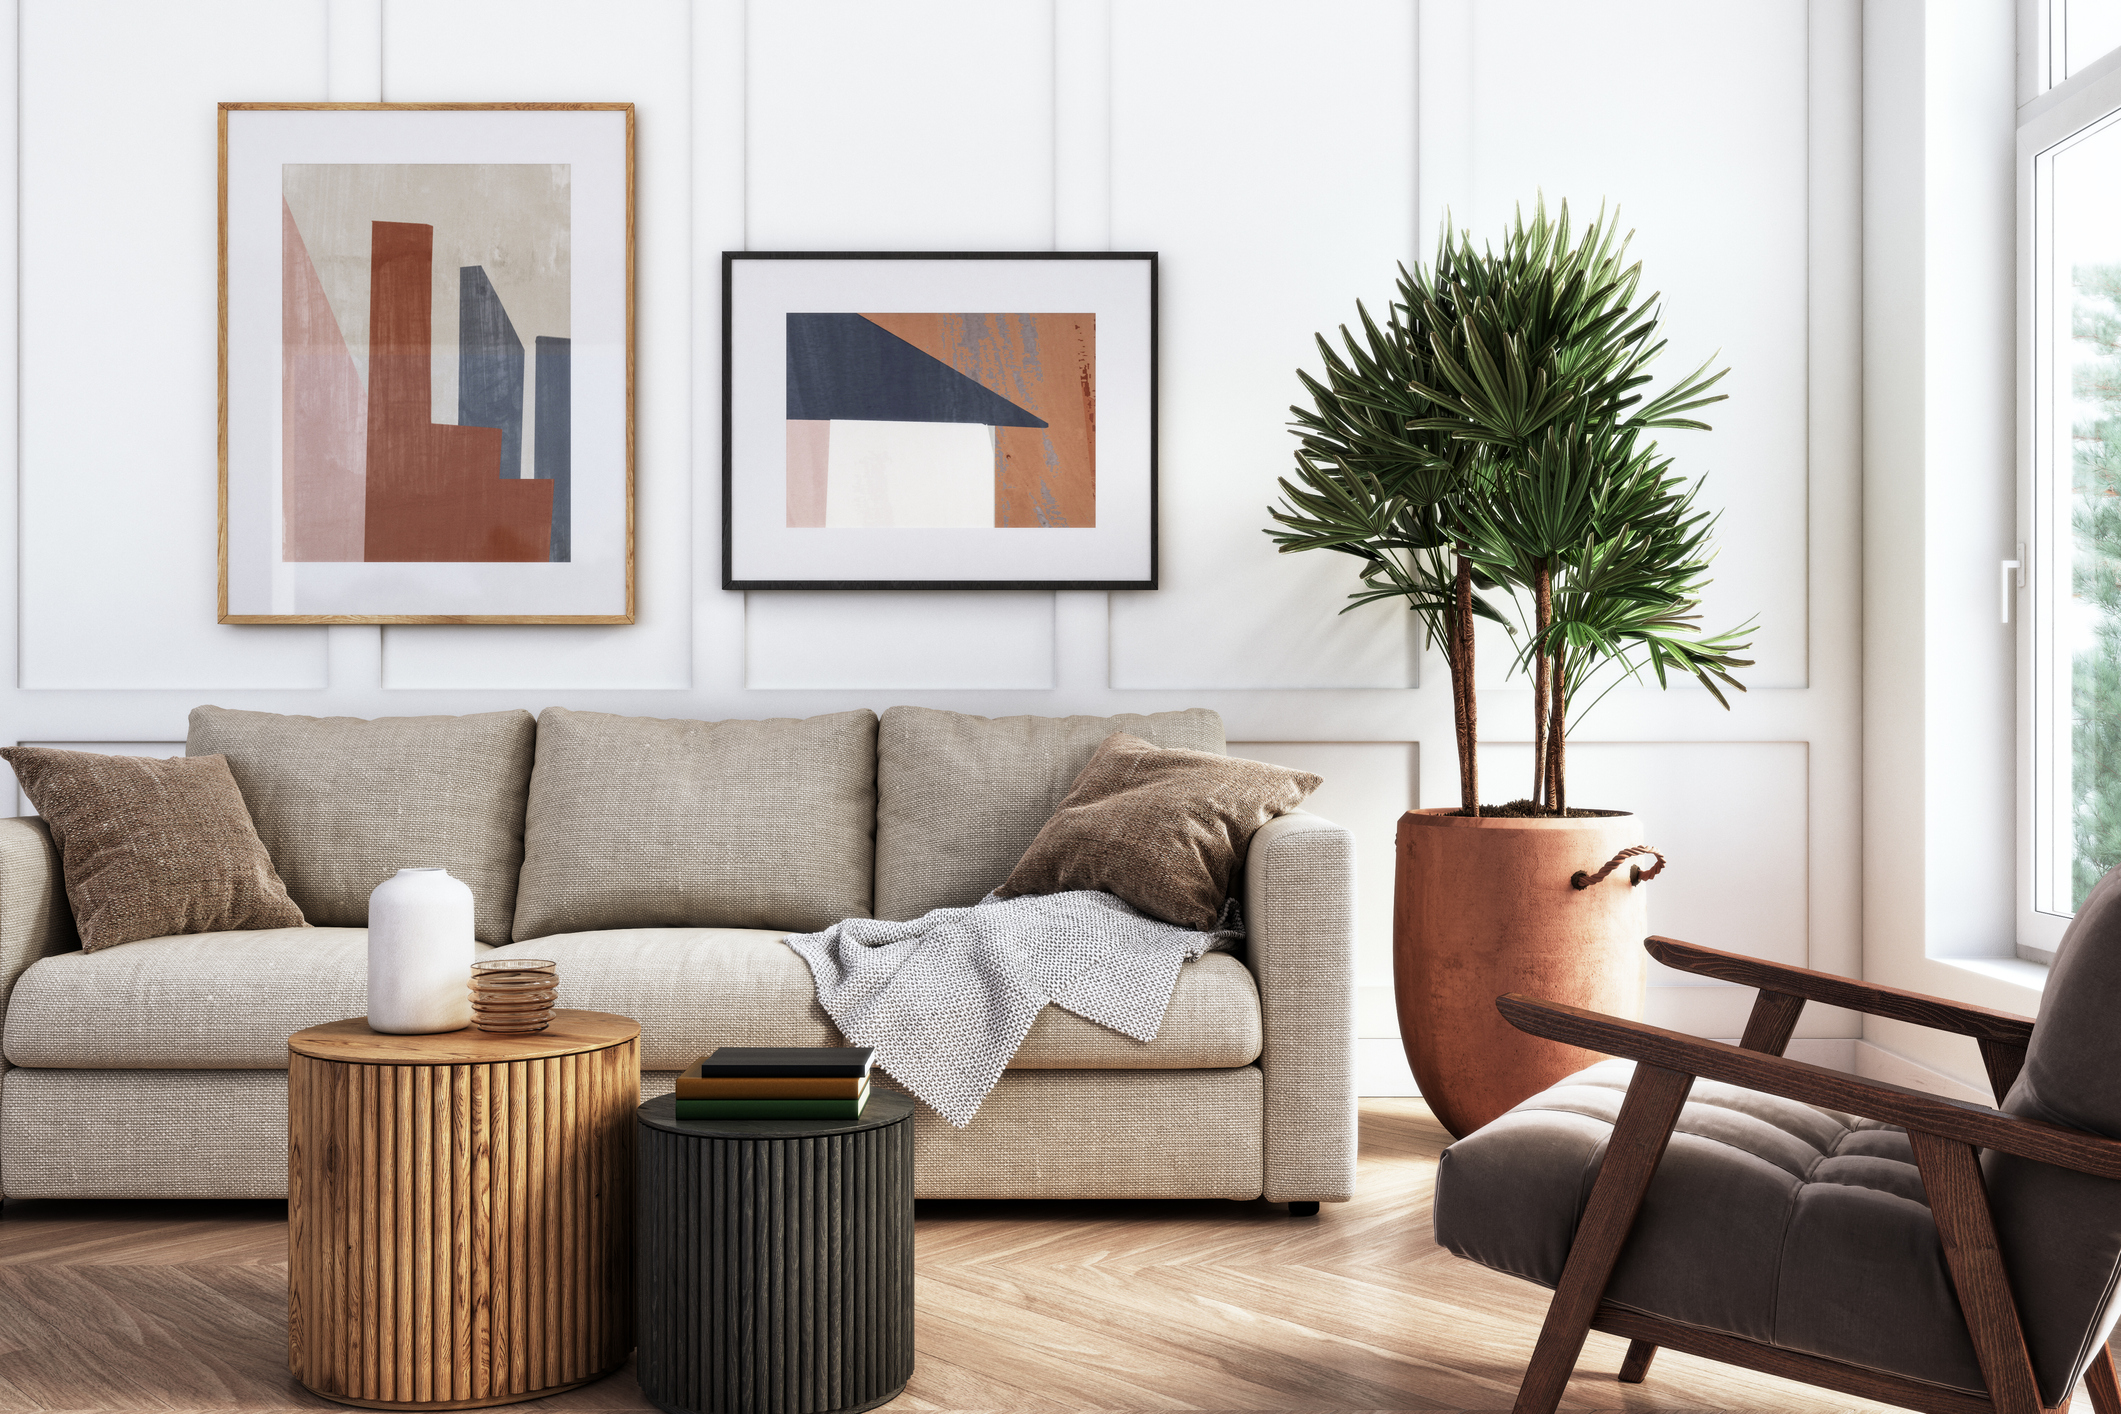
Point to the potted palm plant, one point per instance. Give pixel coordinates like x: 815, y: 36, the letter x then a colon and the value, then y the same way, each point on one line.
x: 1481, y: 451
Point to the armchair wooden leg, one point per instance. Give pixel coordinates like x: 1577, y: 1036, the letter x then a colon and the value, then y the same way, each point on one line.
x: 1639, y: 1138
x: 1951, y: 1179
x: 2099, y: 1383
x: 1637, y: 1365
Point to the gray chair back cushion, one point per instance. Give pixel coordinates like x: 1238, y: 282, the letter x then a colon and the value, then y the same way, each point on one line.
x: 343, y: 803
x: 2061, y: 1231
x: 960, y: 798
x: 641, y: 822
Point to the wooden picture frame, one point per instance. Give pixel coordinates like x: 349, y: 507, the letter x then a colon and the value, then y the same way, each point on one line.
x: 404, y: 444
x: 875, y: 435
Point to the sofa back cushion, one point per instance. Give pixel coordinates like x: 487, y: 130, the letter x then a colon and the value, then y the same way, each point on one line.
x: 639, y: 822
x: 342, y: 803
x: 960, y: 798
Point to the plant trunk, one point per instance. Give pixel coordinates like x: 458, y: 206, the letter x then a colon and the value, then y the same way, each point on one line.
x: 1558, y: 735
x: 1463, y: 701
x: 1542, y: 615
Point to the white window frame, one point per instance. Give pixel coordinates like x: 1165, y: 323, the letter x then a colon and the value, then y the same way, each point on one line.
x: 2042, y: 52
x: 2038, y: 38
x: 2047, y: 124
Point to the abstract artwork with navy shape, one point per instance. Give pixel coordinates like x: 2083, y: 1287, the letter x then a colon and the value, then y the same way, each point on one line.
x: 942, y: 420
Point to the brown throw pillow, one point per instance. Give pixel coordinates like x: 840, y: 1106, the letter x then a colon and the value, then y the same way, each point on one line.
x: 150, y: 848
x: 1164, y: 829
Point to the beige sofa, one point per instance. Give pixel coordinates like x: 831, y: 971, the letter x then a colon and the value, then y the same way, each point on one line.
x: 661, y: 863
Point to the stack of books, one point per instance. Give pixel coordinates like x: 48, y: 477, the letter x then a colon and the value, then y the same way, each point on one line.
x: 777, y: 1082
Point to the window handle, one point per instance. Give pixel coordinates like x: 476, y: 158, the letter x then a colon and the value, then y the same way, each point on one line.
x: 2004, y: 569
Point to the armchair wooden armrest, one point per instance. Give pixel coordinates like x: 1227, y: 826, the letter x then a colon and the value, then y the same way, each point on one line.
x: 1913, y: 1110
x: 1868, y: 997
x: 1784, y: 990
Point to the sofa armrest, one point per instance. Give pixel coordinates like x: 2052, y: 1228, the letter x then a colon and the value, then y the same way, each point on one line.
x: 35, y: 921
x: 1300, y: 922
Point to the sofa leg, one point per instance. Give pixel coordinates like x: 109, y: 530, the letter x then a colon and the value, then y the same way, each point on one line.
x: 1637, y: 1364
x: 1303, y: 1210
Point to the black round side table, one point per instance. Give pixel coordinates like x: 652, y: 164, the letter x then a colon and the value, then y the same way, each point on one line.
x: 775, y: 1261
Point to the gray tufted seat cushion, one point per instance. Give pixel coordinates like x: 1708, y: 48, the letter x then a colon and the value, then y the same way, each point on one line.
x: 1768, y: 1219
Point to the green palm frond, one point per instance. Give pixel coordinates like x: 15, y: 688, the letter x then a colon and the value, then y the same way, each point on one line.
x: 1497, y: 412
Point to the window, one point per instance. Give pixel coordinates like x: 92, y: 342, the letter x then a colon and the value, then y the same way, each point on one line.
x: 2085, y: 31
x: 2069, y: 147
x: 2060, y: 39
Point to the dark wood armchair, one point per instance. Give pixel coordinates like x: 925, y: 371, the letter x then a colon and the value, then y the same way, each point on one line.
x: 2013, y: 1243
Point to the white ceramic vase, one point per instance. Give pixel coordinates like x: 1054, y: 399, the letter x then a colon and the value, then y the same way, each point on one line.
x: 420, y: 952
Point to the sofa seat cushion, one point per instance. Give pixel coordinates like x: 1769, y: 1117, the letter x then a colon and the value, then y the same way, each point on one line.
x: 203, y: 1001
x: 694, y: 989
x: 1768, y: 1219
x: 1212, y: 1024
x: 691, y: 989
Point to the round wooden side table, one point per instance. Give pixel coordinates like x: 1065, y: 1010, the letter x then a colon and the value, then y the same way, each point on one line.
x: 460, y: 1211
x: 776, y: 1261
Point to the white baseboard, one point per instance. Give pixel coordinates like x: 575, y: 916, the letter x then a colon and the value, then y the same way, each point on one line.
x: 1381, y: 1067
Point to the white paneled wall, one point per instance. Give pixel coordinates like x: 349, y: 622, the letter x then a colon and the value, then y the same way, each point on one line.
x: 908, y: 641
x: 117, y: 391
x: 911, y: 125
x: 1269, y: 157
x: 1707, y: 163
x: 1281, y: 159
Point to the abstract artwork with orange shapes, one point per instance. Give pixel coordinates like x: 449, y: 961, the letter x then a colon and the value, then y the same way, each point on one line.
x: 417, y: 423
x: 882, y: 412
x: 1045, y: 364
x: 970, y: 420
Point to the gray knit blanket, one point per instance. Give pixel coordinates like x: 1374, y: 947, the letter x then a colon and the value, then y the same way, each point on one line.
x: 947, y: 998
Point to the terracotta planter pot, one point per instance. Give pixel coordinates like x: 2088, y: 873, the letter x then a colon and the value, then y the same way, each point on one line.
x: 1484, y: 906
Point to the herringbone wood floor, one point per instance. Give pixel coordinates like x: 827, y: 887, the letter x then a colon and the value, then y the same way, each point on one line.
x: 1023, y: 1306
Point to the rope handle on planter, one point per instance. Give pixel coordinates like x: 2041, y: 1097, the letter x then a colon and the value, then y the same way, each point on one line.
x: 1636, y: 873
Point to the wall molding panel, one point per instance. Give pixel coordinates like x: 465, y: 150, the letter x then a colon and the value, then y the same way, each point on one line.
x: 1283, y: 161
x: 1270, y: 156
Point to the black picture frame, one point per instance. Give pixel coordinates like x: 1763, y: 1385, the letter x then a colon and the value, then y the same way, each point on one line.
x: 730, y: 581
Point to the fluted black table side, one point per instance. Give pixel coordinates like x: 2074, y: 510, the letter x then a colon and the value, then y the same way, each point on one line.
x: 775, y: 1261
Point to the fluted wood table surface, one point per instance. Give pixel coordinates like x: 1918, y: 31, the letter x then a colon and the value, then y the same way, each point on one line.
x: 460, y: 1211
